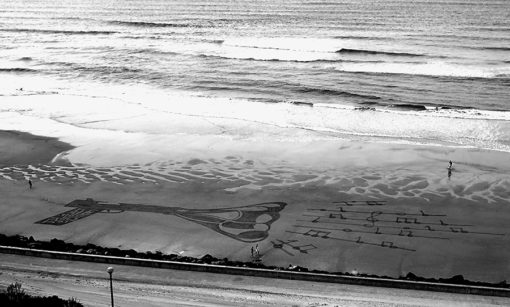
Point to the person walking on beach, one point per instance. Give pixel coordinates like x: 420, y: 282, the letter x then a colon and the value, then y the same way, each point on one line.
x: 252, y: 255
x: 30, y: 184
x: 451, y: 163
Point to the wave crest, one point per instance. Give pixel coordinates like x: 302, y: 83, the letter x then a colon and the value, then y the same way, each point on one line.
x: 17, y: 69
x: 51, y: 31
x: 144, y: 24
x: 324, y: 91
x: 373, y: 52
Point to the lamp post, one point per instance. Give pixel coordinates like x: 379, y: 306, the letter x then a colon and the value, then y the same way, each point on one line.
x: 110, y: 271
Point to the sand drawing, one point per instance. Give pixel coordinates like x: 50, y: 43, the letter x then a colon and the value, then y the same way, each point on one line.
x: 327, y: 235
x: 370, y: 223
x: 247, y: 223
x: 292, y: 244
x: 364, y: 223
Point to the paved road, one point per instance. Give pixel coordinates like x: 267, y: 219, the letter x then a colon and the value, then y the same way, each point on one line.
x: 135, y: 286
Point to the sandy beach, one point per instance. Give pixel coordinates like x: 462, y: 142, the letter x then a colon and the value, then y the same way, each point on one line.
x: 390, y: 213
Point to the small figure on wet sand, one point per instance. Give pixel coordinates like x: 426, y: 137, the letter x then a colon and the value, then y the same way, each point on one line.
x: 255, y: 254
x: 30, y: 183
x: 450, y: 165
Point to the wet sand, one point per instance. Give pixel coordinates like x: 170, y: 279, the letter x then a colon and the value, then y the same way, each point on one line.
x: 24, y: 148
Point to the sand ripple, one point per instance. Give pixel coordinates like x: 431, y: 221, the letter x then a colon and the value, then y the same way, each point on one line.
x: 234, y: 173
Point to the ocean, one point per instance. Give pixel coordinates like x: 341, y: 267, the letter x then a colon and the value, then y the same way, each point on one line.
x: 404, y: 71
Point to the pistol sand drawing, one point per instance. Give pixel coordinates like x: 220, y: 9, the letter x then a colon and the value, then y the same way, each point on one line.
x: 247, y: 224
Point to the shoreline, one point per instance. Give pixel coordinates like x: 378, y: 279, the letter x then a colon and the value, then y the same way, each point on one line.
x: 122, y: 126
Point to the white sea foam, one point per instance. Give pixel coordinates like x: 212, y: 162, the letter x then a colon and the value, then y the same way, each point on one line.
x: 120, y: 124
x: 432, y: 112
x: 431, y: 68
x: 362, y: 56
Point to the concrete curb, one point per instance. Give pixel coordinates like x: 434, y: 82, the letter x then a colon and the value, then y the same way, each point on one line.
x: 305, y: 276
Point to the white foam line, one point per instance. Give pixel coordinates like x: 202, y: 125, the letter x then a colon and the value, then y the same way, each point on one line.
x: 429, y: 112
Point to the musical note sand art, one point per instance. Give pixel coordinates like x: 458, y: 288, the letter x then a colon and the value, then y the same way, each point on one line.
x: 365, y: 222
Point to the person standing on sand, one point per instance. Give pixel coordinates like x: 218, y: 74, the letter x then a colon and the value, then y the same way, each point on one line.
x: 30, y: 184
x: 451, y: 163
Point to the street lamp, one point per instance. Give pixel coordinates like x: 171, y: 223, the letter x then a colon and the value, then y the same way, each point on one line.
x: 110, y: 271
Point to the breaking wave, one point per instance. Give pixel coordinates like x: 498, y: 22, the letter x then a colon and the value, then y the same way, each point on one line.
x: 51, y: 31
x: 373, y: 52
x: 432, y: 69
x: 323, y: 91
x: 17, y: 69
x: 497, y: 48
x: 144, y: 24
